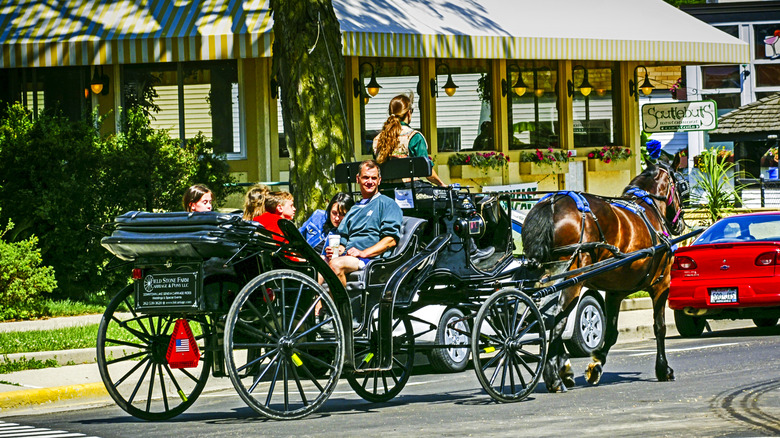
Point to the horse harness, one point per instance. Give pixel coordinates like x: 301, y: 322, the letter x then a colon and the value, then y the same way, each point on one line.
x: 630, y: 205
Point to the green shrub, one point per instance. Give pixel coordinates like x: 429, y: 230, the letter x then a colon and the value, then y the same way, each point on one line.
x: 22, y: 278
x: 58, y: 177
x: 713, y: 189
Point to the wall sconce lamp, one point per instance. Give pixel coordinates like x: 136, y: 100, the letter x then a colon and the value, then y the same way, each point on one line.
x: 449, y: 86
x: 585, y: 86
x: 372, y: 87
x: 519, y: 88
x: 646, y: 86
x: 99, y: 83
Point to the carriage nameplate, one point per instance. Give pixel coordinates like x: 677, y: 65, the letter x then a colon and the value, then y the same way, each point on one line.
x: 168, y: 289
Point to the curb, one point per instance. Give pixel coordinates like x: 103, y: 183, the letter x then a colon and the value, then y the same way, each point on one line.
x: 636, y: 304
x: 67, y: 357
x: 35, y: 397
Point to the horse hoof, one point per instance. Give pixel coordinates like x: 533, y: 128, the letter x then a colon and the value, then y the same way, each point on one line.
x: 567, y: 375
x: 593, y: 373
x: 556, y: 387
x: 666, y: 377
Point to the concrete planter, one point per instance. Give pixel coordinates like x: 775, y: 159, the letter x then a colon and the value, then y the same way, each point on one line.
x: 530, y: 168
x: 470, y: 172
x: 596, y: 165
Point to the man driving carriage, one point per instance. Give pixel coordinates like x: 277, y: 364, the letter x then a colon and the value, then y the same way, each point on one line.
x: 371, y: 227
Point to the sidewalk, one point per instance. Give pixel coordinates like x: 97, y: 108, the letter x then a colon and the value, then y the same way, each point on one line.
x: 32, y: 390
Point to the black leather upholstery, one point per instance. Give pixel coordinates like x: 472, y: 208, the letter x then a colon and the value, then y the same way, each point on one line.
x: 409, y: 227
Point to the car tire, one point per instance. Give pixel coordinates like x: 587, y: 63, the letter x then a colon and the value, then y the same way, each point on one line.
x: 451, y: 360
x: 765, y: 322
x: 588, y: 328
x: 688, y: 326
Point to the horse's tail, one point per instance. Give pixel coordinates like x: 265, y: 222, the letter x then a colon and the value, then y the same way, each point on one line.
x: 537, y: 232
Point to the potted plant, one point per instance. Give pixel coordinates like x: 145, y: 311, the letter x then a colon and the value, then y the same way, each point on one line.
x: 721, y: 155
x: 609, y: 158
x: 476, y: 164
x: 542, y: 163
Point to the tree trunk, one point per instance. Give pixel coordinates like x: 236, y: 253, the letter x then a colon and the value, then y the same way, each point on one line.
x: 309, y: 67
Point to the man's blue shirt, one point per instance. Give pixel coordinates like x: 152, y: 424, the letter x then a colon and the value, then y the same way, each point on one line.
x: 366, y: 224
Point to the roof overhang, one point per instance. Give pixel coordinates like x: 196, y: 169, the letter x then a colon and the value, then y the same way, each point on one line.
x: 34, y: 33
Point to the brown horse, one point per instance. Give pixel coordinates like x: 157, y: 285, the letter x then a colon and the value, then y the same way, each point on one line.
x: 558, y: 230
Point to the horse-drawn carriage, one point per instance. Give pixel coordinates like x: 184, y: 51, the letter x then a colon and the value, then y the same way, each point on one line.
x: 213, y: 294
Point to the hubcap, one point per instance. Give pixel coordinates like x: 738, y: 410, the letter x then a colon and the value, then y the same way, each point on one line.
x: 591, y: 326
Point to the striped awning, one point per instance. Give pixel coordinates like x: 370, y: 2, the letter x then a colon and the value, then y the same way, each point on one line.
x: 39, y: 33
x: 615, y: 30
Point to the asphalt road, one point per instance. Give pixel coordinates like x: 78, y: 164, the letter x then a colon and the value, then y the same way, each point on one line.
x: 728, y: 384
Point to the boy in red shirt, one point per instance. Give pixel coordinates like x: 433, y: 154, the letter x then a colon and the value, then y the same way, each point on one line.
x: 278, y: 205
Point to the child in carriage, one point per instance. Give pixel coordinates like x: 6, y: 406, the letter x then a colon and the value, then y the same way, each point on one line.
x: 197, y: 198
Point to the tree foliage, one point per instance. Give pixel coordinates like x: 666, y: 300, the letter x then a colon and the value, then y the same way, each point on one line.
x: 22, y: 278
x: 58, y: 177
x: 309, y: 66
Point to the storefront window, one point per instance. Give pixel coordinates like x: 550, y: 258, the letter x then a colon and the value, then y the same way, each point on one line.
x: 767, y: 75
x: 464, y: 120
x: 726, y: 102
x: 732, y: 30
x: 532, y: 104
x: 595, y: 123
x: 394, y: 76
x: 210, y: 96
x: 60, y: 88
x: 767, y: 44
x: 722, y: 76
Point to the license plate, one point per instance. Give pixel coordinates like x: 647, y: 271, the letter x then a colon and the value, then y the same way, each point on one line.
x: 725, y: 295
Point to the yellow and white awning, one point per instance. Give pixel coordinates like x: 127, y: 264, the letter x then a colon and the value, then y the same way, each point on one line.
x: 40, y: 33
x: 615, y: 30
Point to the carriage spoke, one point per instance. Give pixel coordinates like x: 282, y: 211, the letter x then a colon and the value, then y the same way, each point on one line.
x: 128, y: 357
x: 262, y: 374
x: 132, y: 371
x: 272, y: 386
x: 162, y: 386
x: 306, y: 315
x: 295, y: 309
x: 256, y: 360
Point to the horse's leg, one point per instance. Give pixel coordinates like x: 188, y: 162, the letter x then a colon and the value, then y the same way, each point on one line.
x: 557, y: 369
x: 599, y: 356
x: 662, y: 369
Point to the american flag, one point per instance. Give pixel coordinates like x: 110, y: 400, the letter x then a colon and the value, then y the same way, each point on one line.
x: 182, y: 345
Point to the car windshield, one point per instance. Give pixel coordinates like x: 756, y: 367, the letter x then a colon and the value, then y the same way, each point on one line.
x: 742, y: 229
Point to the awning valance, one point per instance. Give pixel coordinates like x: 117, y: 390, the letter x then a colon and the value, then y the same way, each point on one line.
x: 38, y: 33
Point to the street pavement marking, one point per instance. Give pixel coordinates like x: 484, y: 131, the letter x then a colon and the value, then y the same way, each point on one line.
x: 10, y: 430
x: 677, y: 350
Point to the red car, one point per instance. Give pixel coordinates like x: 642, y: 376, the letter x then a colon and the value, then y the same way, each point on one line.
x: 730, y: 272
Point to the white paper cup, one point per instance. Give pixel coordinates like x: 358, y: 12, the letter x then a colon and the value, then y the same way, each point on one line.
x: 334, y: 240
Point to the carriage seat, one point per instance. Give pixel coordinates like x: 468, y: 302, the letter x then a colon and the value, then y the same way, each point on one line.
x: 378, y: 270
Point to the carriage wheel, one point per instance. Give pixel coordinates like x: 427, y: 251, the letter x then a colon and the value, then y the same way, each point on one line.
x: 131, y: 350
x: 381, y: 386
x: 283, y: 360
x: 508, y: 345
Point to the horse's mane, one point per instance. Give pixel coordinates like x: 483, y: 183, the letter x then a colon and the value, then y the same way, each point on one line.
x: 644, y: 180
x: 539, y: 227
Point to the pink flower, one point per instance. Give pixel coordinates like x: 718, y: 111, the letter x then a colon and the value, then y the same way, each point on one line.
x: 628, y: 151
x: 591, y: 155
x: 468, y: 158
x: 550, y: 149
x: 607, y: 160
x: 569, y: 154
x: 507, y: 159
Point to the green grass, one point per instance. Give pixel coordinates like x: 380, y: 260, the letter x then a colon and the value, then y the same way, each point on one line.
x: 71, y: 308
x: 26, y: 364
x: 67, y: 338
x: 640, y: 294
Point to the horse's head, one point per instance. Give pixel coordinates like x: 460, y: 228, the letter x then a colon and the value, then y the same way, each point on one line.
x: 665, y: 185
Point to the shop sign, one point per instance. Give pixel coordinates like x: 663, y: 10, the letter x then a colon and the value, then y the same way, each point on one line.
x: 700, y: 115
x: 771, y: 43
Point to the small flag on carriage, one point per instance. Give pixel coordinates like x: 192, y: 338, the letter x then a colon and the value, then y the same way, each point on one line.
x: 182, y: 350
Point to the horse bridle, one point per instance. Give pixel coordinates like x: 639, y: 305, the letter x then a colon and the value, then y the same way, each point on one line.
x: 672, y: 225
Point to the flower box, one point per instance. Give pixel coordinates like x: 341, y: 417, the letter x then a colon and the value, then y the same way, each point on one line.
x: 531, y: 168
x: 470, y: 172
x: 596, y: 165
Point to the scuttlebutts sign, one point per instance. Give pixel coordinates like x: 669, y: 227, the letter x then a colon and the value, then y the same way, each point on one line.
x: 700, y: 115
